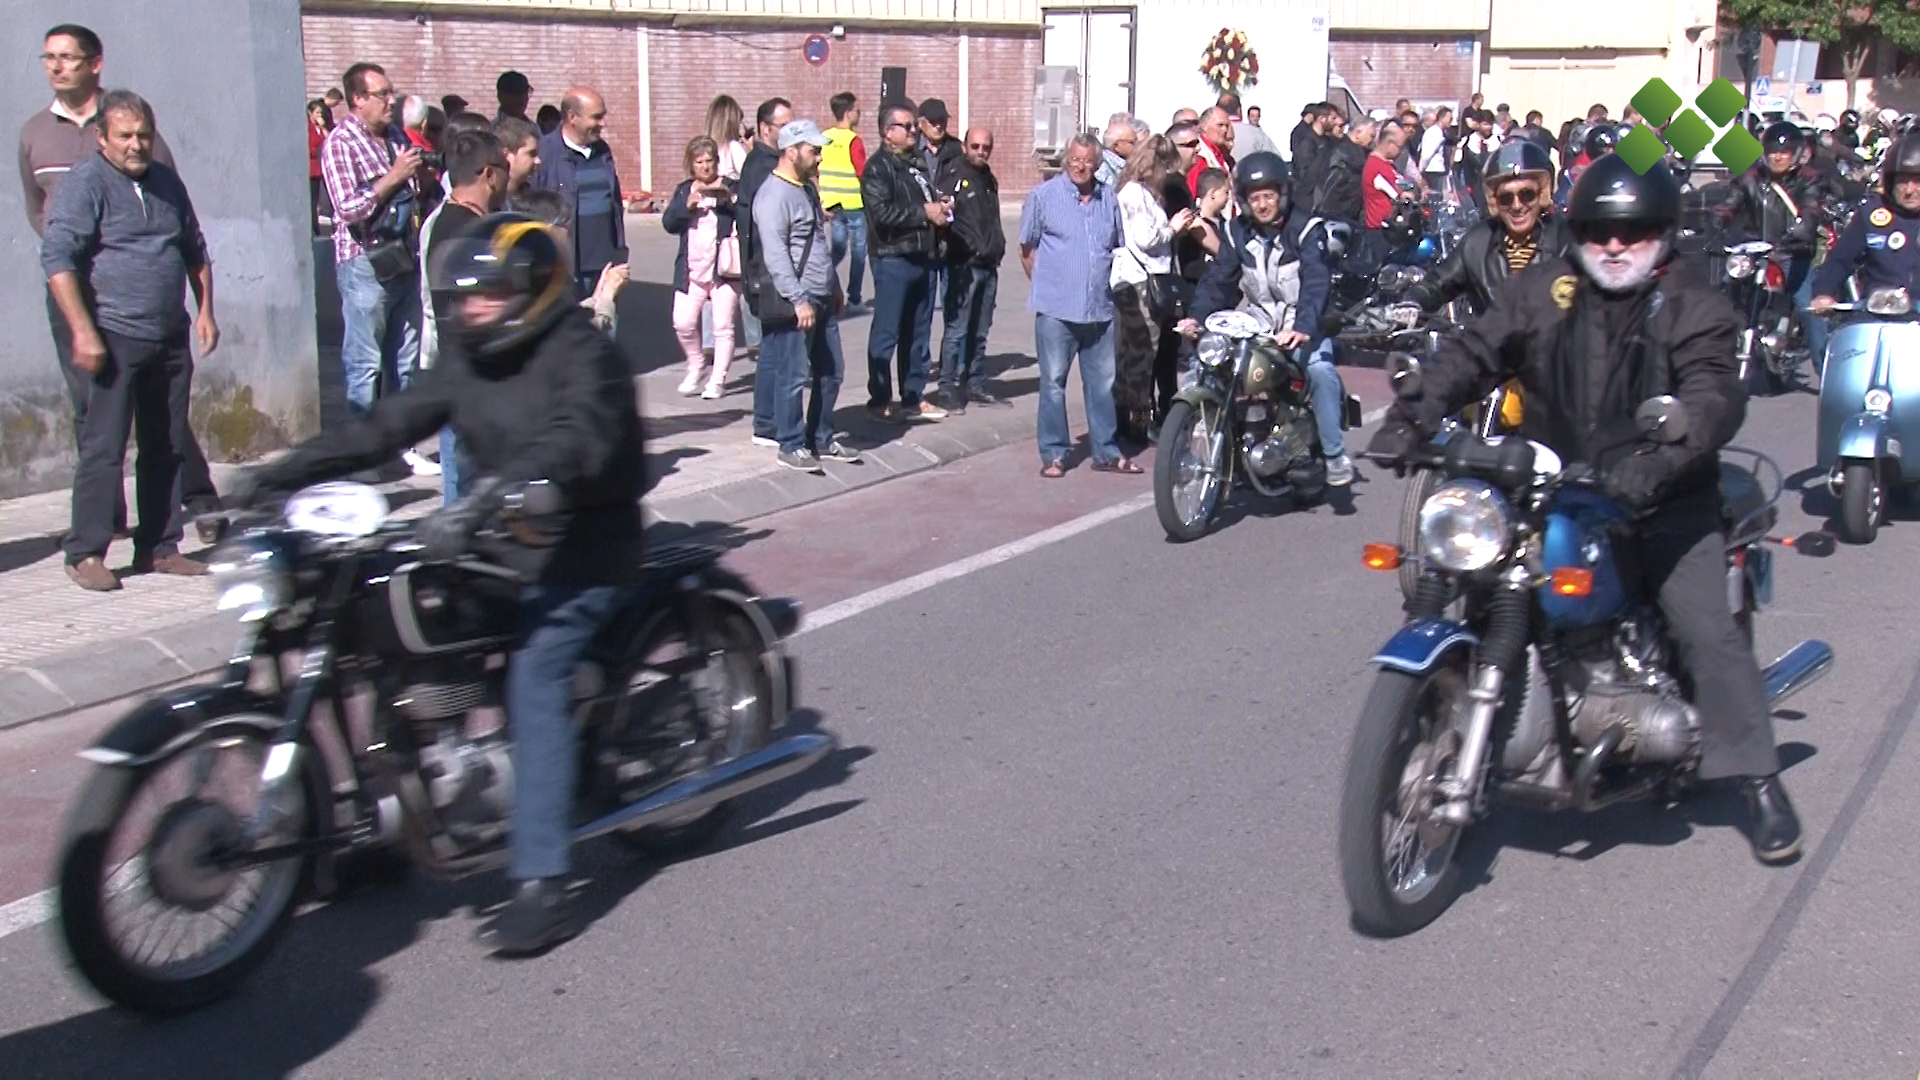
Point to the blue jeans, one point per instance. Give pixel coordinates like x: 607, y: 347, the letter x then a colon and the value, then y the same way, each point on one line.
x: 449, y: 466
x: 849, y: 231
x: 803, y: 366
x: 1800, y: 284
x: 1057, y: 342
x: 556, y: 623
x: 967, y: 306
x: 1329, y: 398
x: 902, y: 329
x: 382, y: 331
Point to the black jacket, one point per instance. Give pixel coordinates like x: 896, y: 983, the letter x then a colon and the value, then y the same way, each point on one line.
x: 1477, y: 268
x: 1298, y: 141
x: 1756, y: 210
x: 895, y: 190
x: 1867, y: 247
x: 1309, y: 161
x: 1336, y: 194
x: 977, y: 237
x: 678, y: 220
x: 566, y: 413
x: 943, y: 163
x: 1585, y: 361
x: 753, y: 172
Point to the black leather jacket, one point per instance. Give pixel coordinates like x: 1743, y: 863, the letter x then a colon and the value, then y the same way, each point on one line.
x: 1756, y: 211
x: 895, y: 190
x: 1478, y: 266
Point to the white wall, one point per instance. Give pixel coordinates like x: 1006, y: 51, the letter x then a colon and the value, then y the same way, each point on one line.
x: 1289, y: 37
x: 225, y: 79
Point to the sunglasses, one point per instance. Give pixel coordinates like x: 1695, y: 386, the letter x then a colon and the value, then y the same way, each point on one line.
x: 1629, y: 233
x: 985, y: 148
x: 1525, y: 196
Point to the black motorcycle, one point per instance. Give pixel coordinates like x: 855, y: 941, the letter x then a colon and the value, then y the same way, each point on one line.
x: 214, y: 809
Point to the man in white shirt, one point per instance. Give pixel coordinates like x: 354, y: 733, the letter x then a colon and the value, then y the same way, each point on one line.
x: 1433, y: 149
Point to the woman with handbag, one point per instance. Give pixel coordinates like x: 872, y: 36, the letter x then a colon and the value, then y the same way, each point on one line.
x: 1148, y: 295
x: 707, y: 269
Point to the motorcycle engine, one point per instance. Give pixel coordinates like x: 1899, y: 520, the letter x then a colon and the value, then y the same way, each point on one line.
x: 1286, y: 441
x: 471, y: 784
x: 1628, y: 686
x: 445, y: 689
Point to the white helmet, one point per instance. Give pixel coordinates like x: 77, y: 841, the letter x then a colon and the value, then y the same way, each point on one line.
x: 1823, y: 122
x: 1888, y: 117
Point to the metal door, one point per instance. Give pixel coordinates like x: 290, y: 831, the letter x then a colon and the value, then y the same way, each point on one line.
x: 1099, y: 43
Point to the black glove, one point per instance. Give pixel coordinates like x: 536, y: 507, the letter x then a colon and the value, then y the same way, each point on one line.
x: 1393, y: 442
x: 1636, y: 481
x: 446, y: 533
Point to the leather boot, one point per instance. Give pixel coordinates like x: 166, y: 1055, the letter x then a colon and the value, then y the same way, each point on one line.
x: 1775, y: 828
x: 541, y: 914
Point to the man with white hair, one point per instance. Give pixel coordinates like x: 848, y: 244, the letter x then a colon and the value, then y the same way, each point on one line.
x: 1120, y: 139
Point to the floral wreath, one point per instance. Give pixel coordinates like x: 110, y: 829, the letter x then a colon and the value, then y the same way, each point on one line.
x: 1228, y: 65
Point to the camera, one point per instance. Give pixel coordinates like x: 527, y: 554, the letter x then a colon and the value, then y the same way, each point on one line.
x: 434, y: 159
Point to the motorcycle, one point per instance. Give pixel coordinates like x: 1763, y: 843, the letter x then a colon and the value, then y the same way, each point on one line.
x: 1554, y: 688
x: 1773, y: 343
x: 1248, y: 412
x: 1863, y: 432
x: 212, y: 810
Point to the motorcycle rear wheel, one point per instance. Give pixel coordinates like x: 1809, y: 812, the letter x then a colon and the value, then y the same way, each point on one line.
x: 1188, y: 486
x: 1399, y: 872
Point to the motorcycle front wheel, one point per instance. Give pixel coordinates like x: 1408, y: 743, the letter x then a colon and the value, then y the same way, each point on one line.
x: 1400, y: 870
x: 1189, y: 483
x: 149, y: 913
x: 1863, y: 502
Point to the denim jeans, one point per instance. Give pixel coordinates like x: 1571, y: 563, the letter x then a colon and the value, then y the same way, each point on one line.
x: 382, y: 331
x: 849, y: 232
x: 805, y: 367
x: 967, y: 307
x: 1800, y: 284
x: 1329, y: 398
x: 1056, y: 343
x: 902, y: 330
x: 449, y: 466
x: 556, y: 623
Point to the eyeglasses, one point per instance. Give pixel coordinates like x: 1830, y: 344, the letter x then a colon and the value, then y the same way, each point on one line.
x: 63, y: 59
x: 383, y: 95
x: 1525, y: 196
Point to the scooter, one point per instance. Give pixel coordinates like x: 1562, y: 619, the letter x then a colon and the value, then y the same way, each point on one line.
x: 1870, y: 409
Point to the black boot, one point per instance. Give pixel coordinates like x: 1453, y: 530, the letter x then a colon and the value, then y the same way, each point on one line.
x: 540, y: 915
x: 1775, y: 827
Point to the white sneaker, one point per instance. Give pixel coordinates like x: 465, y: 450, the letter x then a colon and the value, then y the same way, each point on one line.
x: 1340, y: 471
x: 762, y: 440
x: 690, y: 385
x: 421, y: 464
x: 712, y: 392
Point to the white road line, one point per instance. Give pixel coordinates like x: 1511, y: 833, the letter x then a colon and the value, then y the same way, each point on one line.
x: 26, y: 914
x: 886, y: 594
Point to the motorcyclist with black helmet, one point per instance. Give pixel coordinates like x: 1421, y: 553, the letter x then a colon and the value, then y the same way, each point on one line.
x: 534, y: 393
x: 1275, y: 262
x: 1882, y: 243
x: 1782, y: 200
x: 1847, y: 131
x: 1590, y: 336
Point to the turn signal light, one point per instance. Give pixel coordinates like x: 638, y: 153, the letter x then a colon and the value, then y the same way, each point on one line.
x: 1382, y: 556
x: 1569, y: 581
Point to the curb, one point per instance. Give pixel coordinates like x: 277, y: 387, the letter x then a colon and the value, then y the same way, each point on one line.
x: 67, y: 682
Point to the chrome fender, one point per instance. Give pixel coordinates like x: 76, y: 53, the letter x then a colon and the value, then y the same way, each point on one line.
x: 1866, y: 437
x: 1420, y: 645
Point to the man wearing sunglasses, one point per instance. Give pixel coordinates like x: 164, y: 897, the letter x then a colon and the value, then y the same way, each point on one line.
x: 1519, y: 233
x: 1590, y: 336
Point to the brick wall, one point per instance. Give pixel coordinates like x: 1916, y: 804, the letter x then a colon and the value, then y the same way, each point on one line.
x: 688, y: 68
x: 1384, y: 68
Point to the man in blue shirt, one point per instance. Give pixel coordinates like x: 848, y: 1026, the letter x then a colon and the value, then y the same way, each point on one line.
x: 1068, y: 230
x: 577, y: 163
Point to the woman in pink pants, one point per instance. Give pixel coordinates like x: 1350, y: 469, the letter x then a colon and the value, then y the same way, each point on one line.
x: 707, y: 269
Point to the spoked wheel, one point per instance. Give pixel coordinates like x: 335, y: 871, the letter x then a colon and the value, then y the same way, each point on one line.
x: 1399, y: 867
x: 1188, y: 482
x: 153, y: 915
x: 1422, y: 484
x: 1863, y: 502
x: 725, y: 703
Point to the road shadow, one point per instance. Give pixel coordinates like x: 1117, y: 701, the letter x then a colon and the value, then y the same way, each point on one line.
x: 689, y: 423
x: 27, y: 550
x: 1816, y: 501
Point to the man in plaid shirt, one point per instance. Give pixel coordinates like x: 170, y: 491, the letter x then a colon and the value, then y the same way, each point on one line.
x: 370, y: 171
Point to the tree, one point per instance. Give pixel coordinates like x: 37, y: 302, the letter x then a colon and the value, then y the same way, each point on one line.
x: 1853, y: 26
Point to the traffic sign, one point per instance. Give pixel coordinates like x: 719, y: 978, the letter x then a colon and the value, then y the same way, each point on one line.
x: 1763, y: 85
x: 815, y: 49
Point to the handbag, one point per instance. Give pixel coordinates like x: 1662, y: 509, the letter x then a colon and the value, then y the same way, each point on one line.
x: 763, y: 299
x: 726, y: 257
x: 1168, y: 296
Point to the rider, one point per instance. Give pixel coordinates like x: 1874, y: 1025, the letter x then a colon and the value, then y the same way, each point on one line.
x: 1882, y: 243
x: 1779, y: 201
x: 1590, y: 337
x: 532, y: 392
x: 1267, y: 265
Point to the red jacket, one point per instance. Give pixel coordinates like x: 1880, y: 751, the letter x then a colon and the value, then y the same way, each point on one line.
x: 315, y: 136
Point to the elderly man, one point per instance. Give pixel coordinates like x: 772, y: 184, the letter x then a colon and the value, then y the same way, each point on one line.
x: 121, y: 248
x: 1121, y: 139
x: 1215, y: 150
x: 577, y: 164
x: 1068, y: 230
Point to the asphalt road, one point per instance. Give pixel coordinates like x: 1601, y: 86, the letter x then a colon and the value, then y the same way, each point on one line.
x: 1081, y: 825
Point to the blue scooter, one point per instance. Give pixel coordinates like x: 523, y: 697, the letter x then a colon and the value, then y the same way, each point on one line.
x: 1870, y: 409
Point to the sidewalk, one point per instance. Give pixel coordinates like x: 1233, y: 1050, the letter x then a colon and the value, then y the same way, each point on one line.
x: 62, y: 648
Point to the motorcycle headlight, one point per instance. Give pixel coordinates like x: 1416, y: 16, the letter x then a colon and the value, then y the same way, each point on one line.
x: 250, y: 578
x: 1464, y: 526
x: 1739, y: 266
x: 1213, y: 349
x: 1878, y: 401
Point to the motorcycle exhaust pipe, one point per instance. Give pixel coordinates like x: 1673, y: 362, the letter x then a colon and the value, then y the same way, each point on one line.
x: 1795, y: 671
x: 709, y: 788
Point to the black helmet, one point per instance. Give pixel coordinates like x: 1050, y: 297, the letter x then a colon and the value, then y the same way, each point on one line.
x: 1850, y: 118
x: 1577, y: 136
x: 1261, y: 171
x: 1783, y: 135
x: 1406, y: 224
x: 1903, y: 159
x: 1609, y: 191
x: 504, y: 255
x: 1518, y: 158
x: 1601, y: 139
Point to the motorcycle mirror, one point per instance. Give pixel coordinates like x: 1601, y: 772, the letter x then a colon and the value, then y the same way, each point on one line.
x: 1403, y: 371
x: 1663, y: 419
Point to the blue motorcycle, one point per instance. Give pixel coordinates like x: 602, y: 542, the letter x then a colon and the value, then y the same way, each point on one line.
x: 1528, y: 669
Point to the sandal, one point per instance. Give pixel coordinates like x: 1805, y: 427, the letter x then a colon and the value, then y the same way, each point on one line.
x: 1119, y: 465
x: 1052, y: 470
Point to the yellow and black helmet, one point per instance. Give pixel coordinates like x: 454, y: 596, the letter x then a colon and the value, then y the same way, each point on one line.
x: 505, y: 257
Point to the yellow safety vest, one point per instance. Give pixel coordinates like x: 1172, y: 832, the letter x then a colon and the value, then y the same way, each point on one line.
x: 839, y: 184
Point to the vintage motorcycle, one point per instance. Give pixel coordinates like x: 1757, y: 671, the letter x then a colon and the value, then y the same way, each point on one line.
x: 214, y: 809
x: 1868, y: 407
x: 1248, y: 412
x: 1555, y: 687
x: 1773, y: 344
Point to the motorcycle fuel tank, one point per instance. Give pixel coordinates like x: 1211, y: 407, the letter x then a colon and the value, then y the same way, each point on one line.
x: 1576, y: 538
x: 1854, y: 352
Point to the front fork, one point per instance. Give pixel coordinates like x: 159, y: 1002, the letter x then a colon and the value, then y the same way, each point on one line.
x: 1501, y: 648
